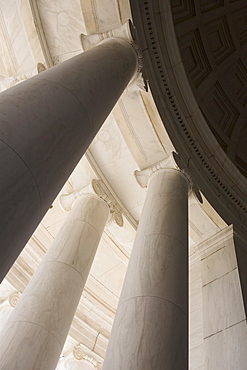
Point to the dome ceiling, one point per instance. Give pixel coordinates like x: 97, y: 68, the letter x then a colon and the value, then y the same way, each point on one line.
x: 212, y: 38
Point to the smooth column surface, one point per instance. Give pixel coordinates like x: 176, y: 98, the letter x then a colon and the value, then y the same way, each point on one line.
x: 35, y: 333
x: 46, y: 125
x: 150, y: 330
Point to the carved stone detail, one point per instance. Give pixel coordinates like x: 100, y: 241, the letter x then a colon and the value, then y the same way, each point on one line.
x: 13, y: 299
x: 7, y: 82
x: 96, y: 187
x: 79, y: 355
x: 78, y: 352
x: 172, y: 162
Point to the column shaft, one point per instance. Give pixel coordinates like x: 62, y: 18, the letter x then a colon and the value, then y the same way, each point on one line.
x: 35, y: 333
x: 46, y: 125
x: 151, y: 325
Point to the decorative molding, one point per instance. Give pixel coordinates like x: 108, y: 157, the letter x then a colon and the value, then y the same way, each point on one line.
x: 183, y: 10
x: 220, y: 180
x: 7, y: 82
x: 11, y: 65
x: 80, y: 355
x: 215, y: 242
x: 96, y: 187
x: 219, y: 39
x: 98, y: 172
x: 222, y: 110
x: 195, y: 57
x: 40, y: 32
x: 238, y: 81
x: 206, y: 5
x: 143, y: 176
x: 240, y: 24
x: 78, y: 352
x: 13, y: 298
x: 123, y: 32
x: 115, y: 210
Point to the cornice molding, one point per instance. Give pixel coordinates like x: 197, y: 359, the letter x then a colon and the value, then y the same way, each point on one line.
x: 218, y: 178
x: 40, y: 32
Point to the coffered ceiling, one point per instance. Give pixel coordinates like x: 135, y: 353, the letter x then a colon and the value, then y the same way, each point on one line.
x: 212, y: 37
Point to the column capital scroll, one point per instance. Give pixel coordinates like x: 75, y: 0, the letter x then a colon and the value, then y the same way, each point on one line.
x: 95, y: 187
x: 172, y: 162
x: 13, y: 298
x: 79, y: 355
x: 7, y: 82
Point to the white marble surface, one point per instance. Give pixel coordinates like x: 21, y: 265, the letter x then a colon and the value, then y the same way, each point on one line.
x: 77, y: 357
x: 165, y: 207
x: 140, y: 136
x: 139, y: 336
x: 109, y: 141
x: 224, y: 318
x: 104, y: 261
x: 196, y: 358
x: 47, y: 307
x: 19, y: 336
x: 150, y: 328
x: 59, y: 31
x: 16, y: 53
x: 196, y: 338
x: 227, y: 349
x: 115, y: 174
x: 162, y: 281
x: 63, y: 22
x: 223, y: 303
x: 118, y: 165
x: 86, y: 222
x: 212, y: 266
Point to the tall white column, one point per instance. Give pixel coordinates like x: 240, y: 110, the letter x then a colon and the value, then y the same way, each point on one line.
x: 150, y: 330
x: 34, y: 336
x: 46, y: 125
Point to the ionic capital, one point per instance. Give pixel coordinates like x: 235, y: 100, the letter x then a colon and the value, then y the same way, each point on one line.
x: 14, y: 298
x: 124, y: 32
x: 172, y: 162
x: 7, y: 82
x: 79, y: 355
x: 96, y: 187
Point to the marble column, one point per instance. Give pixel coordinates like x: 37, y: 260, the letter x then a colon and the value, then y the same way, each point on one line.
x: 150, y: 330
x: 46, y: 125
x: 35, y: 333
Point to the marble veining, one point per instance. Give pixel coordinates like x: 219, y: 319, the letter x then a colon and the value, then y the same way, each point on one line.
x: 47, y: 307
x: 154, y: 299
x: 134, y: 350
